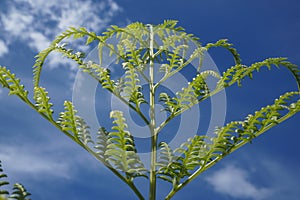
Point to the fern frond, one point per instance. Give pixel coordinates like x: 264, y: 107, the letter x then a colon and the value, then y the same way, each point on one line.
x: 131, y: 40
x: 174, y: 58
x: 132, y: 88
x: 180, y: 163
x: 190, y: 95
x: 3, y: 183
x: 239, y: 132
x: 169, y: 28
x: 101, y: 74
x: 170, y: 103
x: 193, y: 93
x: 10, y: 81
x: 168, y: 169
x: 238, y: 72
x: 192, y: 154
x: 67, y: 119
x: 74, y: 124
x: 294, y: 69
x: 39, y: 62
x: 102, y: 142
x: 83, y: 131
x: 19, y: 192
x: 54, y: 46
x: 223, y: 43
x: 42, y: 101
x: 121, y: 151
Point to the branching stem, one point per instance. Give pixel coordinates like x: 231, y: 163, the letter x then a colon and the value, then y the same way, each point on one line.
x: 152, y: 125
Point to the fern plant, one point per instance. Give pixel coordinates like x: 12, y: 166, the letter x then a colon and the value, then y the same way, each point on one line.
x: 139, y: 47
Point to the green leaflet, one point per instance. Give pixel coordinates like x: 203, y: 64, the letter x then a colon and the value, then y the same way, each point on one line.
x: 102, y: 143
x: 177, y: 164
x: 73, y: 124
x: 132, y: 89
x: 170, y: 34
x: 174, y: 58
x: 167, y: 168
x: 9, y: 80
x: 3, y: 183
x: 170, y: 103
x: 42, y: 101
x: 83, y: 131
x: 101, y: 74
x: 189, y: 95
x: 191, y: 153
x: 121, y: 151
x: 19, y: 192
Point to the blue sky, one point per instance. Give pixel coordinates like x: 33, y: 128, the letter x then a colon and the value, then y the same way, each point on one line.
x: 53, y: 167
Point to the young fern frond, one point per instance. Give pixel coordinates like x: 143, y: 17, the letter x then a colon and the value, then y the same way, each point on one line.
x: 294, y: 69
x: 189, y: 95
x: 19, y: 192
x: 180, y: 163
x: 67, y: 119
x: 191, y: 154
x: 174, y: 59
x: 168, y: 169
x: 101, y: 74
x: 223, y: 43
x: 83, y: 131
x: 170, y: 104
x: 54, y: 46
x: 74, y: 124
x: 170, y: 33
x: 121, y: 151
x: 102, y: 143
x: 9, y: 80
x: 132, y: 88
x: 42, y: 102
x: 238, y: 72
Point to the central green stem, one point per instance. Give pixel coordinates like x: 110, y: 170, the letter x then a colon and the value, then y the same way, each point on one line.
x: 152, y: 194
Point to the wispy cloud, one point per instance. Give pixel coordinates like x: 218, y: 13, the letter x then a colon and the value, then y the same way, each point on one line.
x: 284, y: 179
x: 37, y: 22
x: 21, y: 160
x: 3, y: 48
x: 234, y: 182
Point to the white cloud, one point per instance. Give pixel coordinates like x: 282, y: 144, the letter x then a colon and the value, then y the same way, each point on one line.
x: 17, y: 21
x: 233, y: 181
x: 37, y: 22
x: 22, y: 161
x: 38, y: 40
x: 3, y: 48
x: 284, y: 179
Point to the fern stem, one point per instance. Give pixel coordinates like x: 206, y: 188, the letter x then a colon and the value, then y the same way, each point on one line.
x: 152, y: 194
x: 217, y: 159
